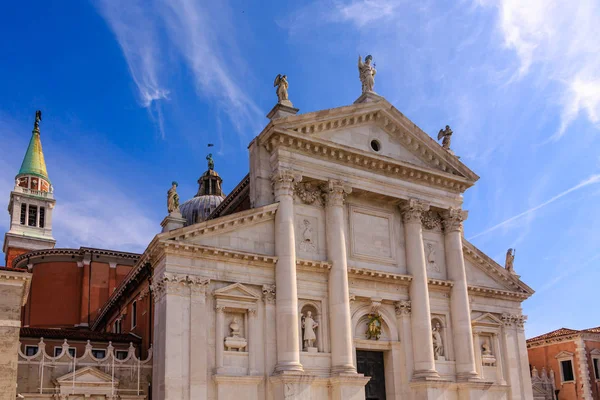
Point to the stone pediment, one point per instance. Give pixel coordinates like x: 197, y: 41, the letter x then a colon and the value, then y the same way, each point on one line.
x: 483, y: 272
x: 487, y: 319
x: 237, y: 292
x: 564, y: 354
x: 86, y: 375
x: 346, y: 133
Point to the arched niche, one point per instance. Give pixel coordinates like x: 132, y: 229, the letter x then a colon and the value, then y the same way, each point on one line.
x: 440, y: 338
x: 360, y: 318
x: 317, y: 315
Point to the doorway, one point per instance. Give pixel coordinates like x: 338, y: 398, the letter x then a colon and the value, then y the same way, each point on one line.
x: 370, y: 363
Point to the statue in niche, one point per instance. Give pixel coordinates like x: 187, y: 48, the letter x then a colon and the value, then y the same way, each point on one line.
x: 282, y: 85
x: 173, y: 199
x: 366, y: 72
x: 438, y: 343
x: 308, y: 326
x: 487, y: 351
x: 307, y: 244
x: 510, y: 259
x: 235, y: 341
x: 446, y: 134
x: 374, y: 327
x: 431, y: 258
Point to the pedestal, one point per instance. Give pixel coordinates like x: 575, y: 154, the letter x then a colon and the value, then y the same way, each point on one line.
x: 172, y: 221
x: 348, y: 386
x: 368, y: 97
x: 282, y: 110
x: 291, y: 385
x: 237, y: 387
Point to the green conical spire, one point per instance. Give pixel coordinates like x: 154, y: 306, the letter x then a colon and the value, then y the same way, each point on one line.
x: 33, y: 163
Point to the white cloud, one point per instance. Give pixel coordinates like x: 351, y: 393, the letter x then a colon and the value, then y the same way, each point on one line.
x: 561, y: 38
x: 156, y: 37
x: 363, y: 12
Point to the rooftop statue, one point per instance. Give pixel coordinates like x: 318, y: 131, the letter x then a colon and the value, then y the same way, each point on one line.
x: 38, y: 119
x: 211, y: 162
x: 173, y: 199
x: 366, y: 73
x: 510, y: 259
x: 446, y: 134
x: 281, y: 84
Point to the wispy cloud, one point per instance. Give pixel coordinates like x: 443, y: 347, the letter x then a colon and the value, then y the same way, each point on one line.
x: 363, y: 12
x: 157, y: 37
x: 589, y: 181
x: 560, y: 37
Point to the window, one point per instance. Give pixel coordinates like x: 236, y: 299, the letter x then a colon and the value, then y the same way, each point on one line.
x: 31, y: 350
x: 596, y: 362
x: 134, y: 315
x: 375, y: 145
x: 121, y: 354
x: 58, y: 350
x: 32, y: 217
x: 566, y: 369
x: 42, y: 216
x: 99, y: 353
x: 23, y: 213
x: 117, y: 326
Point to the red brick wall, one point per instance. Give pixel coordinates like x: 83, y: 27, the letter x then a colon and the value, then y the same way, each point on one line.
x: 12, y: 253
x: 545, y: 357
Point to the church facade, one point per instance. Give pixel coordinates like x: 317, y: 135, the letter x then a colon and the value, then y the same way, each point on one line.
x: 337, y: 269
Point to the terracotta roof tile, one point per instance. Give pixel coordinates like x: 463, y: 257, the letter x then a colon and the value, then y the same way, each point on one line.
x: 553, y: 334
x: 78, y: 334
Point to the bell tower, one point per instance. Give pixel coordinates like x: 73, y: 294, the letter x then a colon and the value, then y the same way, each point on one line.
x: 31, y: 203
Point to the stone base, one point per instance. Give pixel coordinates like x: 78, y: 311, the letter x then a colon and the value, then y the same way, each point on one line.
x: 348, y: 386
x: 312, y: 350
x: 172, y: 221
x: 368, y: 97
x: 426, y: 375
x: 291, y: 385
x: 237, y: 387
x: 282, y: 110
x: 468, y: 377
x: 473, y: 390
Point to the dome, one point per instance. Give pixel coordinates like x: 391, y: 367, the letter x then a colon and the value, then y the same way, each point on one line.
x: 208, y: 198
x: 198, y: 208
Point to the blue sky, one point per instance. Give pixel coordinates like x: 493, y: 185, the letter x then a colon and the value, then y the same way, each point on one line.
x: 132, y: 92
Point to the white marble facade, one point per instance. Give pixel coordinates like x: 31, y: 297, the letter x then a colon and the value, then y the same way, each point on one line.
x: 354, y: 237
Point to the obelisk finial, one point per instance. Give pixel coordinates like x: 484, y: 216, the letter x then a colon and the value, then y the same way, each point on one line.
x: 38, y: 118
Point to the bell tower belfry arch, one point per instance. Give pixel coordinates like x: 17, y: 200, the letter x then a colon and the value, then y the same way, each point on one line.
x: 31, y: 203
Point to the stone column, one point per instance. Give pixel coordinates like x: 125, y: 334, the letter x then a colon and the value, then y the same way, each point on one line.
x: 219, y: 337
x: 478, y: 360
x: 286, y: 305
x: 198, y: 339
x: 424, y: 363
x: 460, y: 310
x: 342, y: 360
x: 499, y: 356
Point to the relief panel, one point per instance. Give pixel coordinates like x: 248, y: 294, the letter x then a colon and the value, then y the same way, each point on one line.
x: 371, y: 236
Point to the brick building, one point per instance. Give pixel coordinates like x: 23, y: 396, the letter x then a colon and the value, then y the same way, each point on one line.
x: 569, y: 360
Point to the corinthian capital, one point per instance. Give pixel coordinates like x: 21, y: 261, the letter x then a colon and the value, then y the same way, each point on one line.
x: 412, y: 210
x: 453, y: 218
x: 284, y: 181
x: 336, y: 192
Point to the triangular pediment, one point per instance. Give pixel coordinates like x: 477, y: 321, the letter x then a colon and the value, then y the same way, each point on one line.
x: 564, y: 354
x: 238, y: 292
x: 86, y: 375
x: 486, y: 319
x: 484, y: 272
x: 595, y: 352
x: 355, y: 127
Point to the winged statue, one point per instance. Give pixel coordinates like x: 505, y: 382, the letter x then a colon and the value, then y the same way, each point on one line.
x: 281, y: 84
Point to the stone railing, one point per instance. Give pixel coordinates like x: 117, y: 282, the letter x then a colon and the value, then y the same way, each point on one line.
x: 34, y: 192
x: 542, y: 384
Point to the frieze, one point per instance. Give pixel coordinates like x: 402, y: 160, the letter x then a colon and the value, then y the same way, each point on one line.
x: 178, y: 285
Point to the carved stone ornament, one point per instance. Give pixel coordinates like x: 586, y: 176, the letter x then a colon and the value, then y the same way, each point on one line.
x: 235, y: 341
x: 268, y: 292
x: 514, y: 320
x: 309, y: 193
x: 336, y: 192
x: 453, y: 219
x: 412, y: 210
x: 431, y: 220
x: 178, y: 284
x: 402, y: 307
x: 307, y: 239
x: 431, y: 259
x: 284, y: 181
x: 374, y: 327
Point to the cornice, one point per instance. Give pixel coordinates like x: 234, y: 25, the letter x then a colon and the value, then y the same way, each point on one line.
x: 22, y: 277
x: 231, y: 198
x: 73, y: 252
x: 371, y: 273
x: 551, y: 341
x: 175, y: 247
x: 359, y: 159
x: 496, y: 292
x: 311, y: 265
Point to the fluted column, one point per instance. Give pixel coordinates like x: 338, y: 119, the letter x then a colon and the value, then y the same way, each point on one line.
x: 460, y: 310
x: 424, y: 363
x: 342, y: 360
x: 286, y: 305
